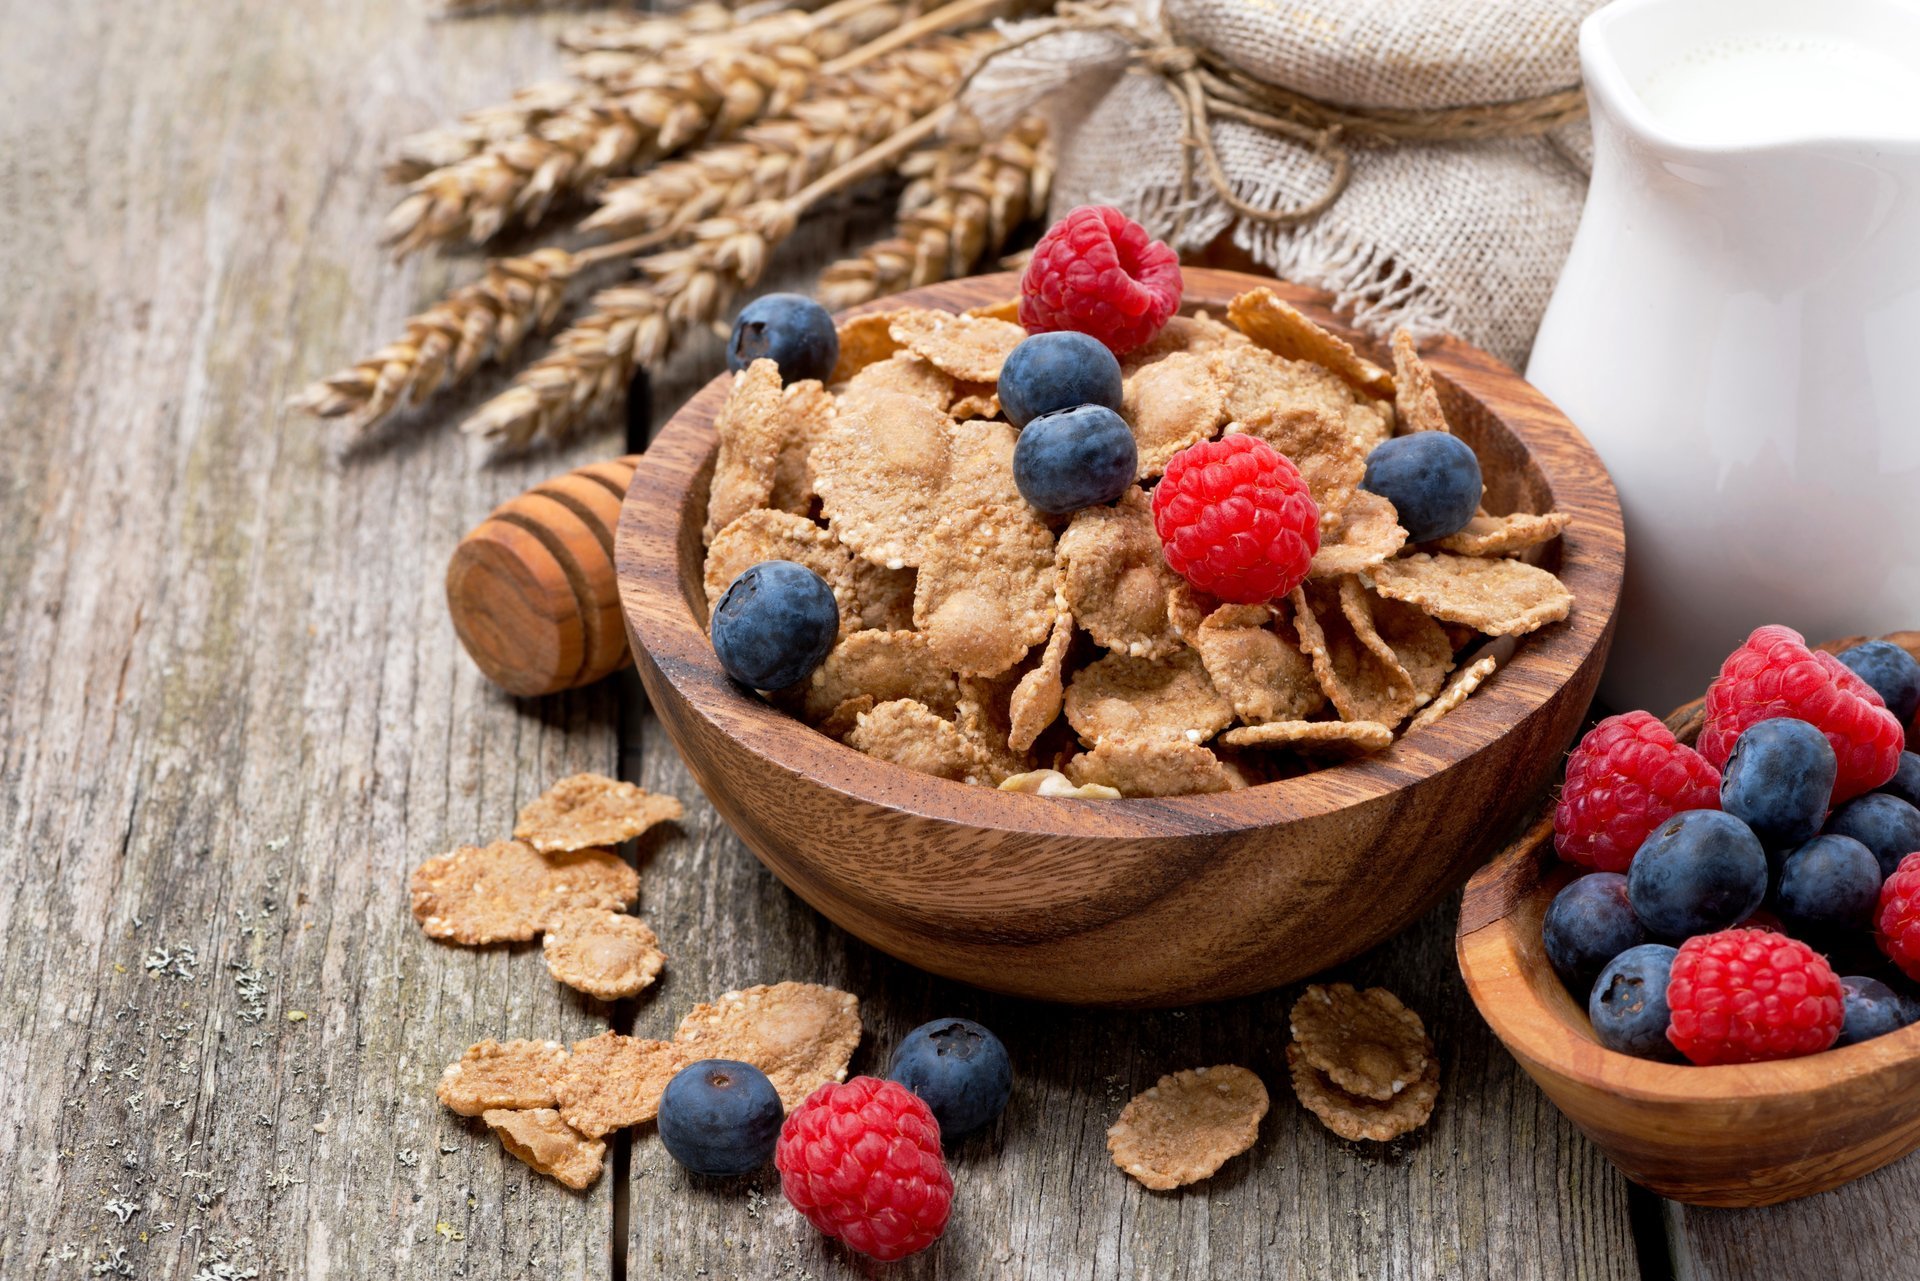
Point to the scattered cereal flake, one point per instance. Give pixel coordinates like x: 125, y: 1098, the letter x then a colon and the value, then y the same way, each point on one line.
x: 1260, y: 670
x: 1506, y: 535
x: 985, y: 593
x: 1171, y: 404
x: 905, y: 374
x: 1361, y: 686
x: 1277, y: 325
x: 806, y: 412
x: 1150, y: 767
x: 508, y: 891
x: 1187, y: 1125
x: 908, y: 734
x: 1405, y: 640
x: 1464, y: 682
x: 1036, y: 700
x: 975, y: 400
x: 1199, y: 333
x: 881, y: 469
x: 1051, y: 782
x: 1365, y: 534
x: 971, y: 348
x: 1498, y: 597
x: 802, y: 1035
x: 751, y: 429
x: 1322, y: 447
x: 1146, y: 697
x: 884, y: 596
x: 1416, y: 400
x: 885, y: 665
x: 985, y: 717
x: 612, y: 1081
x: 609, y: 955
x: 765, y: 534
x: 1334, y: 738
x: 1365, y: 1040
x: 495, y: 1074
x: 864, y: 341
x: 1007, y: 309
x: 540, y: 1138
x: 1115, y: 579
x: 1355, y: 1117
x: 587, y: 810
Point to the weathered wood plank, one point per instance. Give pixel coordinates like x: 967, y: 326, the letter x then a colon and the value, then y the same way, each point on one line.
x: 1864, y: 1230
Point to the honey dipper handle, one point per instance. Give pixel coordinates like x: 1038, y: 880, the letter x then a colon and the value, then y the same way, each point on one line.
x: 532, y: 591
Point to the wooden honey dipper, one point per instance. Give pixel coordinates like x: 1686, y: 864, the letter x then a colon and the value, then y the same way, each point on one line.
x: 532, y: 590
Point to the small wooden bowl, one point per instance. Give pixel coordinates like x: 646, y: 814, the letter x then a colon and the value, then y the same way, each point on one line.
x: 1754, y: 1134
x: 1135, y: 902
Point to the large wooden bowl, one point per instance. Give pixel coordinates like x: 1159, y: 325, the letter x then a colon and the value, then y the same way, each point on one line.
x: 1753, y: 1134
x: 1137, y: 901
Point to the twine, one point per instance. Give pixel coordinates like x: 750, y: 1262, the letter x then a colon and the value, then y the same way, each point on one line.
x: 1207, y: 89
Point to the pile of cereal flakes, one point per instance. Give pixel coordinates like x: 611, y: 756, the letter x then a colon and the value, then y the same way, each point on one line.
x: 970, y: 622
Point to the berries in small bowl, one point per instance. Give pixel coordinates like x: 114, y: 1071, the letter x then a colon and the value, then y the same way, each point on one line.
x: 1883, y: 823
x: 1432, y: 478
x: 1628, y: 776
x: 1699, y: 872
x: 1905, y: 782
x: 1830, y: 883
x: 1236, y: 519
x: 1747, y: 996
x: 1590, y: 922
x: 792, y: 330
x: 775, y: 624
x: 1893, y: 673
x: 1059, y: 370
x: 862, y: 1162
x: 720, y: 1118
x: 1098, y: 272
x: 1628, y: 1006
x: 1779, y: 781
x: 1872, y: 1009
x: 1074, y: 458
x: 959, y: 1069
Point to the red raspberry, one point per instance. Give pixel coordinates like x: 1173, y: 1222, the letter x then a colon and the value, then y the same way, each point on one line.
x: 1099, y: 272
x: 1236, y: 520
x: 1896, y: 925
x: 1745, y: 996
x: 1628, y: 776
x: 862, y: 1162
x: 1775, y: 674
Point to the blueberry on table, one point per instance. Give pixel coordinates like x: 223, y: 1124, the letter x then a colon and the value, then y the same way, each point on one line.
x: 1628, y: 1007
x: 1905, y: 782
x: 1432, y: 479
x: 1779, y: 781
x: 1872, y: 1009
x: 1893, y: 673
x: 1699, y: 872
x: 1883, y: 823
x: 775, y: 624
x: 1831, y: 882
x: 1588, y: 924
x: 791, y: 330
x: 960, y: 1071
x: 720, y: 1118
x: 1059, y: 370
x: 1074, y: 458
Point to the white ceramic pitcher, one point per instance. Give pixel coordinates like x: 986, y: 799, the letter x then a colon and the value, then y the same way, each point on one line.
x: 1738, y: 326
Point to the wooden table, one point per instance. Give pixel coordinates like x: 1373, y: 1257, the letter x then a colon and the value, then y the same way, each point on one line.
x: 233, y: 716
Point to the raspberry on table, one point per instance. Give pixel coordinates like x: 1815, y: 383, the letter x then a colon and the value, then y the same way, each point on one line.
x: 1775, y: 674
x: 1627, y: 776
x: 1236, y: 520
x: 862, y: 1162
x: 1896, y: 925
x: 1746, y: 996
x: 1098, y: 272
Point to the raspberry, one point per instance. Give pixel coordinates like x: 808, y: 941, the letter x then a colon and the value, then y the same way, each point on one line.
x: 1235, y: 519
x: 1628, y: 776
x: 1897, y: 920
x: 862, y: 1162
x: 1097, y: 271
x: 1745, y: 996
x: 1775, y: 674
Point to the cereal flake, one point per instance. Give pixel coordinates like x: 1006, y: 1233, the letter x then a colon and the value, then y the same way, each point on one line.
x: 496, y: 1074
x: 751, y: 429
x: 1464, y: 683
x: 884, y: 665
x: 864, y: 341
x: 881, y: 469
x: 1416, y: 400
x: 884, y: 596
x: 1036, y: 700
x: 1115, y: 579
x: 985, y: 592
x: 1361, y: 686
x: 1187, y: 1125
x: 1365, y: 534
x: 612, y: 1081
x: 1283, y: 329
x: 544, y: 1141
x: 904, y: 374
x: 1357, y: 1117
x: 608, y: 955
x: 1498, y: 597
x: 764, y: 535
x: 806, y: 412
x: 508, y: 891
x: 970, y: 348
x: 1171, y: 404
x: 1365, y: 1040
x: 1314, y: 738
x: 908, y: 734
x: 1150, y: 767
x: 802, y: 1035
x: 1256, y: 665
x: 587, y: 810
x: 1506, y: 535
x: 1405, y: 640
x: 1146, y: 698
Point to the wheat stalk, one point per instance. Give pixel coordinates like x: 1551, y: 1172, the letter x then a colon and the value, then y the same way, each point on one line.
x: 647, y: 32
x: 957, y: 212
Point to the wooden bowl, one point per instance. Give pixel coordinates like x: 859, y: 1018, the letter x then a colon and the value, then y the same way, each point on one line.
x: 1137, y: 902
x: 1754, y: 1134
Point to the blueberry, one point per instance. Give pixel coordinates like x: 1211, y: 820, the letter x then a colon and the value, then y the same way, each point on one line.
x: 1872, y: 1009
x: 1883, y: 823
x: 1831, y: 882
x: 1893, y: 673
x: 1054, y: 371
x: 792, y: 330
x: 1779, y: 781
x: 959, y: 1069
x: 774, y: 625
x: 720, y: 1118
x: 1629, y: 1003
x: 1074, y: 458
x: 1699, y: 872
x: 1589, y: 923
x: 1905, y: 783
x: 1431, y: 478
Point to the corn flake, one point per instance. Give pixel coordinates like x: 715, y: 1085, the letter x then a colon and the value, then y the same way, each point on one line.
x: 1405, y: 640
x: 1314, y: 738
x: 608, y: 955
x: 1365, y: 1040
x: 975, y: 400
x: 1506, y: 535
x: 881, y: 469
x: 884, y: 596
x: 1416, y: 400
x: 802, y: 1035
x: 544, y: 1141
x: 1365, y: 534
x: 508, y: 891
x: 495, y: 1074
x: 864, y: 341
x: 883, y: 665
x: 970, y: 348
x: 907, y: 734
x: 1122, y: 696
x: 1356, y: 1117
x: 764, y: 535
x: 1199, y: 334
x: 1115, y: 579
x: 1361, y: 686
x: 611, y: 1081
x: 1260, y: 670
x: 751, y: 429
x: 1036, y: 700
x: 1498, y: 597
x: 1007, y: 309
x: 1171, y: 404
x: 1153, y: 766
x: 903, y: 374
x: 1188, y: 1125
x: 985, y: 593
x: 587, y: 810
x: 807, y: 411
x: 1283, y: 329
x: 1464, y: 683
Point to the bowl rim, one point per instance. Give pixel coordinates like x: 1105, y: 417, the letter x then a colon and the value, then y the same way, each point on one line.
x: 665, y: 632
x: 1528, y: 1007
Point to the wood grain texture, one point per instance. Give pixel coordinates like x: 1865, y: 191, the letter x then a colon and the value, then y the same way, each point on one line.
x: 1138, y: 901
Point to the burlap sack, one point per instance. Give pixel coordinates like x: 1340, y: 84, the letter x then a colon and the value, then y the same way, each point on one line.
x: 1457, y: 237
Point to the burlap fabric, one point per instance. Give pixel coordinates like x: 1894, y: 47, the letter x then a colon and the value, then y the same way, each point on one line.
x: 1456, y: 237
